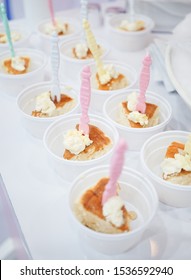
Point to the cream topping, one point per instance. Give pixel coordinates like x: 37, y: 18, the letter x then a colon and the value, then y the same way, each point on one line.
x: 81, y: 50
x: 58, y: 28
x: 187, y: 147
x: 15, y: 36
x: 75, y: 141
x: 132, y: 26
x: 112, y: 211
x: 181, y: 160
x: 110, y: 72
x: 44, y: 104
x: 137, y: 117
x: 18, y: 63
x: 132, y: 101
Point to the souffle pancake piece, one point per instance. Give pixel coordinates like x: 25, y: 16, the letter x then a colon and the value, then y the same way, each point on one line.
x: 176, y: 166
x: 84, y: 147
x: 111, y: 218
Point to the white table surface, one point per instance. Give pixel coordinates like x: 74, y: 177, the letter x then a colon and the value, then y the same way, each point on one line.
x: 39, y: 196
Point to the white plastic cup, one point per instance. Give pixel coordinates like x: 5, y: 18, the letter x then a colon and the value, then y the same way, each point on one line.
x: 23, y: 41
x: 98, y: 97
x: 139, y: 196
x: 70, y: 66
x: 137, y: 136
x: 26, y: 104
x: 12, y: 85
x: 126, y: 40
x: 53, y: 142
x: 152, y: 154
x: 34, y: 11
x: 74, y: 29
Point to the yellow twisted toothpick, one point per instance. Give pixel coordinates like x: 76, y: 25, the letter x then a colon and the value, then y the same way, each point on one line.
x: 94, y: 48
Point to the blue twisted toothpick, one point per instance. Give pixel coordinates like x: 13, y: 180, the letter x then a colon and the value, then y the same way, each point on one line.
x: 7, y: 29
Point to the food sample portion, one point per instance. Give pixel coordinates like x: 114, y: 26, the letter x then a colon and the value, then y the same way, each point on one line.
x: 46, y: 107
x: 61, y: 28
x: 17, y: 65
x: 15, y: 36
x: 132, y: 26
x: 86, y: 147
x: 81, y: 51
x: 176, y: 166
x: 112, y: 217
x: 129, y: 116
x: 106, y: 78
x: 111, y: 79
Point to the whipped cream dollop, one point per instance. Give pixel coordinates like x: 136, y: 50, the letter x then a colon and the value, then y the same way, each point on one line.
x: 112, y: 211
x: 181, y: 160
x: 110, y: 73
x: 138, y: 117
x: 81, y: 50
x: 75, y: 141
x: 60, y: 27
x: 15, y: 36
x: 44, y: 104
x: 135, y: 116
x: 132, y: 26
x: 18, y: 63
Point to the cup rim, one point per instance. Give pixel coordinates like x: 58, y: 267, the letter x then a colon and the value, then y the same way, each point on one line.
x: 41, y: 85
x: 152, y: 174
x: 132, y: 33
x: 25, y: 32
x: 34, y: 51
x: 79, y: 162
x: 144, y: 129
x: 121, y: 65
x: 116, y: 236
x: 70, y: 20
x: 80, y: 61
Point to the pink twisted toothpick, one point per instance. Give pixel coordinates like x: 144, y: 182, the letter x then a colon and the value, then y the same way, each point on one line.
x: 85, y: 94
x: 143, y: 84
x: 50, y: 4
x: 115, y: 171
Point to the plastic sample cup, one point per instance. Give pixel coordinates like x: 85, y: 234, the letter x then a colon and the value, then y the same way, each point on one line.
x: 152, y: 154
x: 53, y: 142
x: 98, y: 97
x: 138, y: 194
x: 137, y: 136
x: 71, y: 66
x: 129, y: 40
x: 13, y: 84
x: 20, y: 31
x: 36, y: 126
x: 73, y: 30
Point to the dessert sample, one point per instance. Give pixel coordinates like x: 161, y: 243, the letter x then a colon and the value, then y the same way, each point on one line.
x: 132, y: 26
x: 136, y: 112
x: 17, y: 65
x: 15, y: 36
x: 176, y: 166
x: 112, y: 217
x: 111, y: 79
x: 81, y: 51
x: 100, y: 207
x: 107, y: 77
x: 129, y: 116
x: 79, y: 146
x: 61, y: 28
x: 86, y: 141
x: 46, y: 106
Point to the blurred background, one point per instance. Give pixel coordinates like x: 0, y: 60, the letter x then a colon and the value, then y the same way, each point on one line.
x: 170, y: 11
